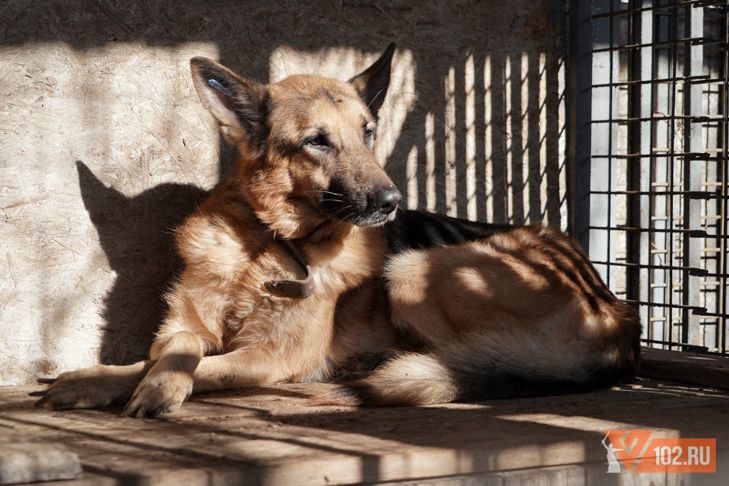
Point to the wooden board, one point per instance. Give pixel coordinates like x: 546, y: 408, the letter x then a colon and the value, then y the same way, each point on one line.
x: 275, y: 436
x: 692, y: 368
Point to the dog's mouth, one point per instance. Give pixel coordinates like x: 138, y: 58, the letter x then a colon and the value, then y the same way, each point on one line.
x: 371, y: 208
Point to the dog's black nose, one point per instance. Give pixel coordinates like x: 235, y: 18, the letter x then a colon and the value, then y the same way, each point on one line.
x: 385, y: 200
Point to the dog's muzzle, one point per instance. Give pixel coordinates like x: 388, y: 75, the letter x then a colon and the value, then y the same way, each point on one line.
x: 384, y: 201
x: 371, y: 208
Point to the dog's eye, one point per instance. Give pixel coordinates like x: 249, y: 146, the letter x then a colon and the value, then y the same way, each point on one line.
x: 320, y: 141
x: 369, y: 133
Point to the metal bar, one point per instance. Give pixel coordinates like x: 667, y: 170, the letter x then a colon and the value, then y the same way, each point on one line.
x: 693, y: 156
x: 723, y: 177
x: 686, y: 347
x: 603, y: 139
x: 639, y: 279
x: 700, y: 272
x: 675, y: 306
x: 697, y: 195
x: 636, y: 229
x: 689, y: 118
x: 655, y: 45
x: 710, y: 141
x: 695, y: 3
x: 580, y: 116
x: 630, y: 82
x: 671, y: 170
x: 691, y: 332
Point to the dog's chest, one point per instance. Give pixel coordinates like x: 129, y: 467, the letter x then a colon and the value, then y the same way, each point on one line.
x: 258, y: 314
x: 259, y: 318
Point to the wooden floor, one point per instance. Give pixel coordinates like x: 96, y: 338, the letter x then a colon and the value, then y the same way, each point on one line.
x: 275, y: 436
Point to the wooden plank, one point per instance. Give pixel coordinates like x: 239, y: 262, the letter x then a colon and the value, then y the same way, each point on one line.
x: 276, y: 435
x: 29, y: 462
x: 685, y: 367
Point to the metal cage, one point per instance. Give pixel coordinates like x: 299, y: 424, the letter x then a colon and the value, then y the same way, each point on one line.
x: 650, y: 124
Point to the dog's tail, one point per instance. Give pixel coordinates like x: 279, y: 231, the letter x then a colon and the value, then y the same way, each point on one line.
x: 498, y: 366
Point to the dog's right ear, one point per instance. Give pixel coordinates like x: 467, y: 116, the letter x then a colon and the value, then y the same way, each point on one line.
x: 373, y: 82
x: 239, y: 105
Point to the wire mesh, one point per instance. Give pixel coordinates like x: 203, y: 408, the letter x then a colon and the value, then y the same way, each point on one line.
x: 659, y: 137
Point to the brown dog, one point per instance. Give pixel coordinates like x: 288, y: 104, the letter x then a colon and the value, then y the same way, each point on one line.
x: 292, y: 274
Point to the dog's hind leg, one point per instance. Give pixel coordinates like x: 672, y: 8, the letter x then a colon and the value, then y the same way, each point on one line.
x: 95, y: 387
x: 522, y: 313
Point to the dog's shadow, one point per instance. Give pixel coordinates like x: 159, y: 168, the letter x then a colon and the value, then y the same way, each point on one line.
x: 137, y: 236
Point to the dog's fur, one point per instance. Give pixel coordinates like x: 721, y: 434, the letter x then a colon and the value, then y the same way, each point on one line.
x: 442, y: 309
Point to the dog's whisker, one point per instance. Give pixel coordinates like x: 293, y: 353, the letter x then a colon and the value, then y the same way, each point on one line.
x: 341, y: 210
x: 322, y: 191
x: 374, y: 98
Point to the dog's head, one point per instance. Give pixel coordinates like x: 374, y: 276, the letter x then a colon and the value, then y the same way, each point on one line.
x: 306, y: 145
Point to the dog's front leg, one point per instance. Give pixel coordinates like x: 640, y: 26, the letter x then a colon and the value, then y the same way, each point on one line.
x: 95, y: 387
x: 169, y: 382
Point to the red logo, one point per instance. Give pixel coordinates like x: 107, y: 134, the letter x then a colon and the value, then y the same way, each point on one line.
x: 639, y: 452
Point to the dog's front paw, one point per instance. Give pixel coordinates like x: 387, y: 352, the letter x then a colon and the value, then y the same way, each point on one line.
x: 95, y: 387
x: 158, y: 393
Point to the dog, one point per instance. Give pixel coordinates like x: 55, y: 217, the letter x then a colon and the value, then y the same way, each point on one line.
x: 303, y: 267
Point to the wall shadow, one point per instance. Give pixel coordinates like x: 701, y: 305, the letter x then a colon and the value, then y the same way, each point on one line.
x: 492, y: 134
x: 138, y: 240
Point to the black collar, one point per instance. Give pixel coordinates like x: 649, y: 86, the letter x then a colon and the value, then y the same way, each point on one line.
x: 295, y: 289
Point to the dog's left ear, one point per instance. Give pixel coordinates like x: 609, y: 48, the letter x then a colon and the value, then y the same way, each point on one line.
x: 372, y: 83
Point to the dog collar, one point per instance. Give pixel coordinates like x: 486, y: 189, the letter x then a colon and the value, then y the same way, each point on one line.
x: 295, y: 289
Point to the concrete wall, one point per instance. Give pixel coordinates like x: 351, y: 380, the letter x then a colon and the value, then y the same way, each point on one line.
x: 104, y: 147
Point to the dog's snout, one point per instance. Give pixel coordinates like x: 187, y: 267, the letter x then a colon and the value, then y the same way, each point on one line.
x: 370, y: 207
x: 385, y: 200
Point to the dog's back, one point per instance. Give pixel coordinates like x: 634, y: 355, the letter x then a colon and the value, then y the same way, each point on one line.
x: 497, y: 311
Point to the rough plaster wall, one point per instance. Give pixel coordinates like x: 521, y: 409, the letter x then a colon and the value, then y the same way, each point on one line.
x: 104, y: 147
